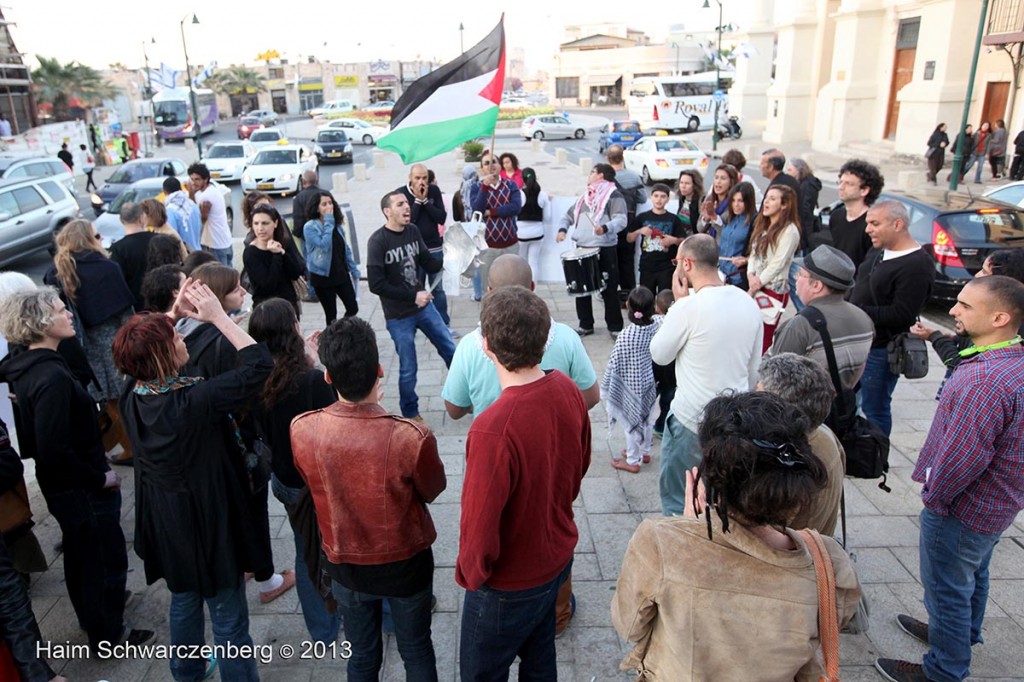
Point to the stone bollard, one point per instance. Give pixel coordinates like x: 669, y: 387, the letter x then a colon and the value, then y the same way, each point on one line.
x: 339, y: 182
x: 359, y: 171
x: 585, y: 165
x: 190, y: 143
x: 909, y: 179
x: 561, y: 157
x: 534, y: 145
x: 378, y: 159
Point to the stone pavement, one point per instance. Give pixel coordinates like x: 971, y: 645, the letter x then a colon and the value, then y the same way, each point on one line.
x: 883, y: 528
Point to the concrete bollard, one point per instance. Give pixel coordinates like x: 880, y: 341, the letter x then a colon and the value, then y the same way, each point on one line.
x: 561, y: 157
x: 585, y: 165
x: 339, y: 182
x: 534, y: 145
x: 190, y: 143
x: 359, y: 171
x: 378, y: 159
x: 909, y: 179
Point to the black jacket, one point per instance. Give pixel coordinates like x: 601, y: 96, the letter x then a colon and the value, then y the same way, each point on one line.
x: 427, y: 216
x: 59, y: 419
x: 271, y: 274
x: 808, y: 195
x: 102, y: 292
x: 299, y: 215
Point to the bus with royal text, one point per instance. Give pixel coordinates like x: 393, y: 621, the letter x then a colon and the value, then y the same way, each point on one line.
x: 677, y: 103
x: 173, y: 118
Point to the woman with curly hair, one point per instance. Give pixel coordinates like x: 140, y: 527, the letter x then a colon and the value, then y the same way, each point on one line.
x: 94, y: 290
x: 293, y: 387
x: 510, y: 169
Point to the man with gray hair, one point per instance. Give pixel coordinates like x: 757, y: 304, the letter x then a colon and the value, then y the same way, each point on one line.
x: 893, y: 284
x: 803, y: 383
x: 131, y: 251
x: 822, y: 278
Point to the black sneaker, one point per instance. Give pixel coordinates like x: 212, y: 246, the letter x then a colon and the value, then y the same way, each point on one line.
x: 583, y: 331
x: 900, y: 671
x: 913, y: 627
x: 137, y: 637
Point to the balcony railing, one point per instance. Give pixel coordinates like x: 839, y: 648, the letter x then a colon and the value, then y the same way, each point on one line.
x: 1005, y: 22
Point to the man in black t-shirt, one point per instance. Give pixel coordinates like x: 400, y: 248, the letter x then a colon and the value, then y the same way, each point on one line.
x: 892, y: 287
x: 131, y: 251
x: 860, y: 183
x: 659, y: 232
x: 395, y: 253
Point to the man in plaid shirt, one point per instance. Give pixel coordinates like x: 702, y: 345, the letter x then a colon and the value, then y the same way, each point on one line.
x: 972, y: 469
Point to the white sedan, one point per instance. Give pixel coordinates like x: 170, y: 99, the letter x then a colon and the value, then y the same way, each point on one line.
x: 663, y: 157
x: 265, y: 137
x: 226, y: 160
x: 357, y: 130
x: 550, y: 126
x: 278, y: 169
x: 1010, y: 193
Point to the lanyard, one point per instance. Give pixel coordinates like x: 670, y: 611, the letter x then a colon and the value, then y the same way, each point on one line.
x: 977, y: 350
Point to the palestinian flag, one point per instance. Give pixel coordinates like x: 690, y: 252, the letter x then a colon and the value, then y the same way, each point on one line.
x: 451, y: 105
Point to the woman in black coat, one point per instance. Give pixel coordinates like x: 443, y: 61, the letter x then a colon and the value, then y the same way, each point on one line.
x: 192, y: 526
x: 271, y: 259
x: 937, y: 143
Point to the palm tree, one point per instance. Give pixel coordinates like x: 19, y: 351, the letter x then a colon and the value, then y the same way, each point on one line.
x: 237, y: 80
x: 57, y: 84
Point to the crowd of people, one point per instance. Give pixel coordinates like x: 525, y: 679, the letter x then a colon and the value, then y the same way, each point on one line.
x: 146, y: 355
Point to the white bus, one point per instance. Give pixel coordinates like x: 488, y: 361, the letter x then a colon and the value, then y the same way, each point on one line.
x: 676, y: 103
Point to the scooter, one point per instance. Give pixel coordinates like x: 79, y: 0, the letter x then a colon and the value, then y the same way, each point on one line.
x: 730, y: 129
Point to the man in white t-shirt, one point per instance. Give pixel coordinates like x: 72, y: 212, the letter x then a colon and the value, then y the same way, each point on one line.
x: 216, y: 237
x: 713, y: 334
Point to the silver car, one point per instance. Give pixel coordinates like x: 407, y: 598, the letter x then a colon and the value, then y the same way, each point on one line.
x: 550, y: 126
x: 31, y: 209
x: 14, y: 167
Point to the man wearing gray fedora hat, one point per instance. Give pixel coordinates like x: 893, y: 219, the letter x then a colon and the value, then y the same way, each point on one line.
x: 824, y: 276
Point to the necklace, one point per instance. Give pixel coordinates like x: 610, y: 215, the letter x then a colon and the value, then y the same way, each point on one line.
x: 978, y: 350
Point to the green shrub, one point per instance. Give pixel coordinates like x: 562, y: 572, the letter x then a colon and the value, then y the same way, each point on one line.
x: 473, y: 150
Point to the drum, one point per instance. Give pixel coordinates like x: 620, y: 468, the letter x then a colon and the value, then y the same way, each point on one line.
x: 582, y: 271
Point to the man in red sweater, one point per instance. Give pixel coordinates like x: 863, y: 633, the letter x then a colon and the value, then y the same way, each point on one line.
x: 524, y: 464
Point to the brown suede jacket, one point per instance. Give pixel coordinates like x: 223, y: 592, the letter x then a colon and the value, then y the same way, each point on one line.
x: 371, y: 475
x: 732, y: 608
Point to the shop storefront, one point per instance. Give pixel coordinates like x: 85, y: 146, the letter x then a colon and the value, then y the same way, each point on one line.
x: 311, y: 93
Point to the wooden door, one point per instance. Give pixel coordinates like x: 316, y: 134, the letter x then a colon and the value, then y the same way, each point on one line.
x: 996, y: 96
x: 902, y: 73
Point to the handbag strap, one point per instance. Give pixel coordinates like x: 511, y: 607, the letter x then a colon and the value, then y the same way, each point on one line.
x: 828, y: 617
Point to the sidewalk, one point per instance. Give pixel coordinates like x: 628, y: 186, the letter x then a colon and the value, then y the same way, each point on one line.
x: 883, y: 527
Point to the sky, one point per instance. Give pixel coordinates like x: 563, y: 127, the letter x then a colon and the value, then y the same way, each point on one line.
x: 104, y: 32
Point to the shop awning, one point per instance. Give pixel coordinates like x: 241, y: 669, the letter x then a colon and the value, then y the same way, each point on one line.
x: 602, y: 81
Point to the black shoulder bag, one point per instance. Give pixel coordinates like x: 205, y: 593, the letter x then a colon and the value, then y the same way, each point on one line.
x: 907, y: 354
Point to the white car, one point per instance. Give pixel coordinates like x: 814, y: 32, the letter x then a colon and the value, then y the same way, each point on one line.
x: 550, y: 126
x: 1010, y: 193
x: 108, y: 224
x: 266, y: 137
x: 333, y: 108
x: 358, y: 131
x: 226, y: 160
x: 278, y: 169
x: 383, y: 105
x: 662, y: 157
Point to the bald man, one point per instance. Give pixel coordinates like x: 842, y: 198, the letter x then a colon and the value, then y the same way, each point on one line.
x: 472, y: 383
x: 428, y: 214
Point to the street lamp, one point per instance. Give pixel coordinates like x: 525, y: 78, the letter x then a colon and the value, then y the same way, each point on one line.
x: 718, y: 74
x: 462, y: 48
x: 676, y: 45
x: 149, y: 92
x: 191, y: 90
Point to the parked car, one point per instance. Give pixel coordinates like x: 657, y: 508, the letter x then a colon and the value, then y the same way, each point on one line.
x: 661, y: 157
x: 333, y: 108
x: 265, y: 116
x: 357, y: 130
x: 1010, y: 193
x: 278, y: 169
x: 958, y: 230
x: 13, y: 166
x: 247, y: 125
x: 540, y: 127
x: 109, y: 224
x: 625, y: 133
x: 332, y: 146
x: 132, y: 172
x: 266, y: 137
x: 30, y: 210
x: 383, y: 105
x: 226, y: 160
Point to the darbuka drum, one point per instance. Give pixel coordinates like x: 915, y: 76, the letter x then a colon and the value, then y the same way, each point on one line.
x: 582, y: 271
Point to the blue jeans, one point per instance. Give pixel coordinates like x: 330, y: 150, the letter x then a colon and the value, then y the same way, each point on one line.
x: 971, y: 160
x: 876, y: 387
x: 310, y: 293
x: 362, y: 614
x: 680, y: 452
x: 478, y: 286
x: 793, y: 269
x: 322, y: 626
x: 403, y: 333
x: 223, y: 256
x: 498, y: 625
x: 229, y: 620
x: 440, y: 298
x: 954, y: 573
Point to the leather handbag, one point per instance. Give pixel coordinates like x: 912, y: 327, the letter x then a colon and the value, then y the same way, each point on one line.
x: 908, y: 356
x: 828, y: 615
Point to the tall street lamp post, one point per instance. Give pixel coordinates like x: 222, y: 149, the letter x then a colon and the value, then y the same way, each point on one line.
x: 191, y: 90
x: 676, y: 45
x: 462, y: 48
x: 718, y: 74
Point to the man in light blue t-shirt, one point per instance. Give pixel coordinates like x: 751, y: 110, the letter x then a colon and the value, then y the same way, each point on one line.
x: 472, y: 383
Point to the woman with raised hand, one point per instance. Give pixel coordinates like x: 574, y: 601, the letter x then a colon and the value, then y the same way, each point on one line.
x: 716, y: 203
x: 192, y: 527
x: 271, y: 259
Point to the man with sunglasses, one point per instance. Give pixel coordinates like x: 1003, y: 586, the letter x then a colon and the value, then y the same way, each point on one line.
x: 499, y: 200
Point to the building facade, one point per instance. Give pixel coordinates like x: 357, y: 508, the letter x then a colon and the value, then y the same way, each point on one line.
x: 16, y: 99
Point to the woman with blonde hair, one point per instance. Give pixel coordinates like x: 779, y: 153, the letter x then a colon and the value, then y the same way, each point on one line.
x: 94, y: 290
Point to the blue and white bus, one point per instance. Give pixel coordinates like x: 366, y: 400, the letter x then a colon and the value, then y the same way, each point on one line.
x: 173, y: 118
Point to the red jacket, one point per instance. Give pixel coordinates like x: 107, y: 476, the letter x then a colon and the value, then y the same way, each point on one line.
x: 371, y: 475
